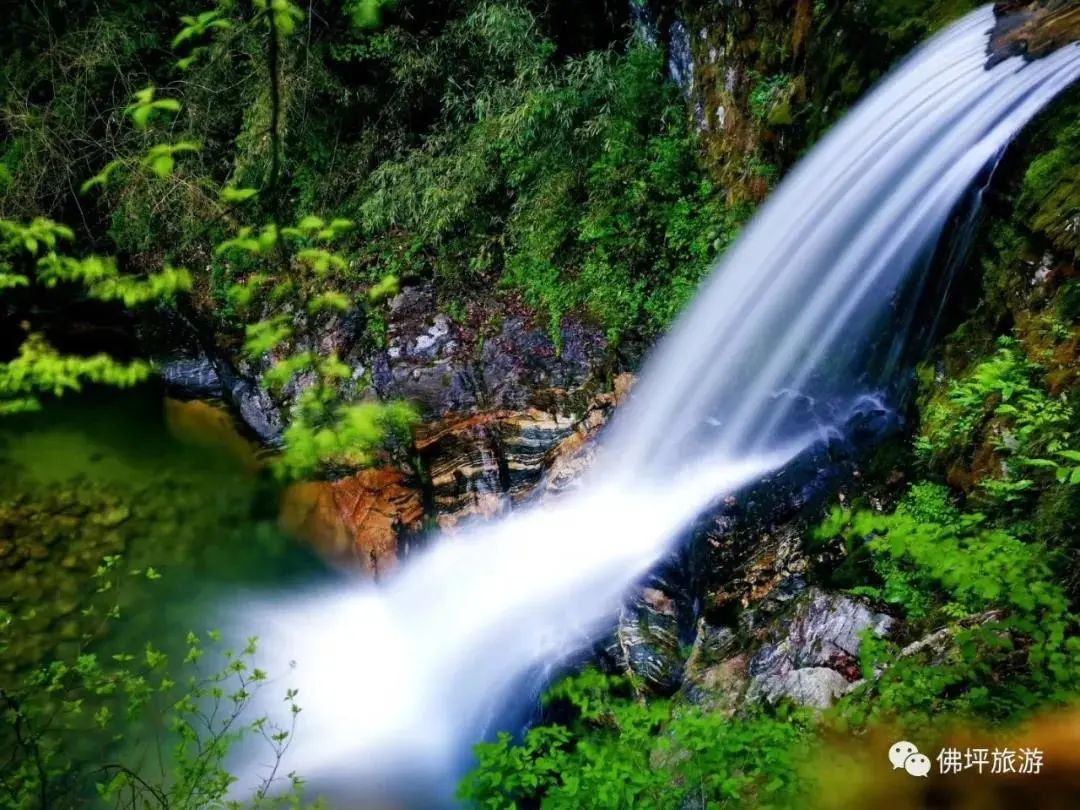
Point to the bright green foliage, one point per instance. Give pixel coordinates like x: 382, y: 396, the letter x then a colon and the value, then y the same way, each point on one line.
x: 104, y: 282
x: 366, y: 14
x: 939, y: 564
x: 237, y: 195
x: 282, y: 13
x: 146, y: 107
x: 1001, y: 400
x: 31, y: 237
x: 160, y: 158
x: 1001, y: 387
x: 1066, y: 470
x: 136, y: 728
x: 196, y: 27
x: 102, y: 178
x: 928, y: 544
x: 265, y: 336
x: 322, y: 433
x: 620, y: 751
x: 39, y: 369
x: 325, y: 428
x: 386, y: 288
x: 30, y: 252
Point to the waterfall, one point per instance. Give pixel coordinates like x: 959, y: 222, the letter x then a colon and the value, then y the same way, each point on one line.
x: 397, y: 681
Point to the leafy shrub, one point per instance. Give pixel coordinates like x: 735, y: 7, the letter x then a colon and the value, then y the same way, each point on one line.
x: 940, y: 564
x: 767, y: 94
x: 134, y: 728
x: 1000, y: 401
x: 618, y: 750
x: 31, y: 256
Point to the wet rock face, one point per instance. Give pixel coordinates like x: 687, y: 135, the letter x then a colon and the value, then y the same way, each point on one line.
x: 256, y: 407
x: 1033, y: 29
x: 191, y: 378
x: 814, y: 659
x: 826, y: 629
x: 520, y: 366
x: 483, y: 464
x: 494, y: 406
x: 680, y: 60
x: 424, y: 361
x: 751, y: 549
x: 357, y: 522
x: 568, y: 461
x: 775, y: 563
x: 477, y: 466
x: 742, y: 573
x: 646, y: 639
x: 445, y: 369
x: 807, y: 653
x: 717, y: 671
x: 720, y: 56
x: 480, y: 465
x: 816, y: 687
x: 204, y: 378
x: 496, y: 397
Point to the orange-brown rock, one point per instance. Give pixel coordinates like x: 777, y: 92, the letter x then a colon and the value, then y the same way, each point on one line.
x: 355, y: 521
x: 480, y: 465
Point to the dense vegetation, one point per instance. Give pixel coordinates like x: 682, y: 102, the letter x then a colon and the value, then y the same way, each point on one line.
x: 462, y: 139
x: 252, y: 171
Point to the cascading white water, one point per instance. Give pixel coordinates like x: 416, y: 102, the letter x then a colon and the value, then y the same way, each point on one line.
x: 396, y: 681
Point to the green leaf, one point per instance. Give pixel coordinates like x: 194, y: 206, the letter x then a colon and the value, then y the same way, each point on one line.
x: 1040, y: 462
x: 162, y: 165
x: 386, y: 288
x: 141, y: 116
x: 235, y: 195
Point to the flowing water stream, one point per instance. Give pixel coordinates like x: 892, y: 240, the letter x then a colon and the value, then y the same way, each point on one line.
x: 795, y: 325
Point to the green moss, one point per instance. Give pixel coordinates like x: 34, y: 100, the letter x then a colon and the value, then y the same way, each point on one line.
x: 852, y: 45
x: 768, y: 95
x: 1050, y: 195
x: 907, y: 21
